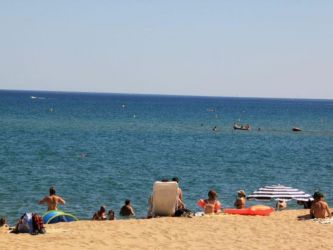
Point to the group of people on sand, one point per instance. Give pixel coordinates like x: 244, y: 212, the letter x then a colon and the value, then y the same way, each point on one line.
x: 318, y: 207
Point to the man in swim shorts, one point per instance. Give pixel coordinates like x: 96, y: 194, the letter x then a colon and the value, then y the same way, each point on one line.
x: 319, y: 208
x: 52, y: 200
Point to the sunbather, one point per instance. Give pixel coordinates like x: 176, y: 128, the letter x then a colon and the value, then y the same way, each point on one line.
x: 240, y: 200
x: 319, y: 208
x: 212, y: 204
x: 111, y: 215
x: 100, y: 214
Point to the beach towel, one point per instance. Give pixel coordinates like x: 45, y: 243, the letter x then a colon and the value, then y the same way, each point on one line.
x: 324, y: 221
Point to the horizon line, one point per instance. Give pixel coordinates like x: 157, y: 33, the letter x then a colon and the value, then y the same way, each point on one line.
x: 159, y: 94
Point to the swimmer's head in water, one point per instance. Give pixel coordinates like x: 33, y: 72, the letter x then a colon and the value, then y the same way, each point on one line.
x: 165, y: 180
x: 52, y: 191
x: 212, y: 194
x: 175, y: 179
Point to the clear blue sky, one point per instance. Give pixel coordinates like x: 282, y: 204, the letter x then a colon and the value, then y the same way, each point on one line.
x: 221, y: 48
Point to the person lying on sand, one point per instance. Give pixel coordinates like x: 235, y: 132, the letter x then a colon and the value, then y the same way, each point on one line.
x: 240, y: 200
x: 127, y: 209
x: 212, y: 204
x: 52, y: 200
x: 319, y: 208
x: 100, y: 214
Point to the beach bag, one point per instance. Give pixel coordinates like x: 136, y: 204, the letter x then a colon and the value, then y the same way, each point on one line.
x: 30, y: 223
x: 25, y: 224
x: 37, y: 224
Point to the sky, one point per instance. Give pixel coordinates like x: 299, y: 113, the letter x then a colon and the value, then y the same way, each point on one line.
x: 265, y: 48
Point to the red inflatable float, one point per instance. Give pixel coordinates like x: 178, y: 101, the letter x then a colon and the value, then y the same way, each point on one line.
x: 254, y: 210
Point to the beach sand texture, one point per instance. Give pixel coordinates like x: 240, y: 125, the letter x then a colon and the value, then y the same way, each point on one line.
x: 281, y: 230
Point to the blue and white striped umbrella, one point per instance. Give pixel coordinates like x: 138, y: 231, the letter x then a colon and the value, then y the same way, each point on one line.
x: 279, y: 192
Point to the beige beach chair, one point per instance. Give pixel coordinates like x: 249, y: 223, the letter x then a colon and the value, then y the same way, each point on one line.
x: 165, y: 197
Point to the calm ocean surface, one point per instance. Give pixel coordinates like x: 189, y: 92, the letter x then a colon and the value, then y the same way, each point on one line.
x: 103, y: 148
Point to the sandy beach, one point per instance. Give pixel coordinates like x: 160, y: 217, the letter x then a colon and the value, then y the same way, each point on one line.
x: 281, y: 230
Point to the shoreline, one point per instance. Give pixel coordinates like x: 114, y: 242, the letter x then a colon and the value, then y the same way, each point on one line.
x: 281, y: 230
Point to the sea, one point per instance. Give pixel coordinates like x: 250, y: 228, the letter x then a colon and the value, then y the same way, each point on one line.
x: 100, y: 149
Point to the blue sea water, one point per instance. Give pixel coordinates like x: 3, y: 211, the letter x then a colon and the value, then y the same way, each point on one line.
x: 104, y: 148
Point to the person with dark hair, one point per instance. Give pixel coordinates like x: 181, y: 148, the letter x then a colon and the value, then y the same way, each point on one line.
x: 111, y: 215
x: 100, y: 214
x: 212, y: 204
x: 4, y: 224
x: 180, y: 192
x: 127, y: 209
x: 52, y: 200
x: 319, y: 208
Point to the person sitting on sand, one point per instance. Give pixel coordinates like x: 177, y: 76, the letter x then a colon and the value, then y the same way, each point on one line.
x: 127, y: 209
x: 52, y: 200
x: 3, y: 224
x: 180, y: 203
x: 180, y: 192
x: 240, y: 200
x: 281, y: 205
x: 111, y: 215
x: 212, y: 204
x: 319, y: 208
x: 100, y: 214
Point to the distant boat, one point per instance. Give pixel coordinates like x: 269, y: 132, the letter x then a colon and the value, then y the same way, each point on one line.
x: 241, y: 127
x: 33, y: 97
x: 296, y: 129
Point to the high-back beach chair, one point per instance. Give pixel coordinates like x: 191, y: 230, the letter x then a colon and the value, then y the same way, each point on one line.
x: 165, y: 197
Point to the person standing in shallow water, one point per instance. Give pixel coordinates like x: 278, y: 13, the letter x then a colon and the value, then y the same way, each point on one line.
x: 52, y: 200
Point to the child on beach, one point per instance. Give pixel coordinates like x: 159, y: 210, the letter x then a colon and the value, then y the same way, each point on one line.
x: 111, y: 215
x: 127, y: 209
x: 100, y: 214
x: 319, y: 208
x: 212, y: 204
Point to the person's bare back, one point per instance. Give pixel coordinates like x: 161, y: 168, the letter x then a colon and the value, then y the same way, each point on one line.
x: 319, y: 208
x: 52, y: 200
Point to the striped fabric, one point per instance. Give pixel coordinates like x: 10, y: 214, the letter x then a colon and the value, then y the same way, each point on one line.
x: 278, y: 192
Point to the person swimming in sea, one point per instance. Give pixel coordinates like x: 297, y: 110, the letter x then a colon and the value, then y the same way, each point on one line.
x: 52, y: 200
